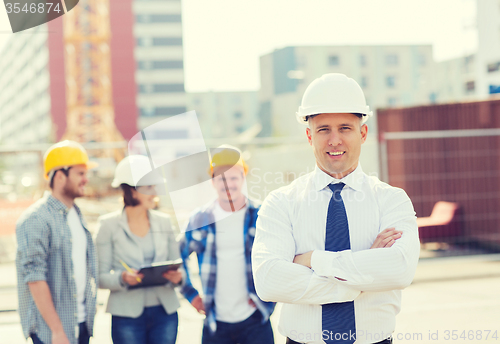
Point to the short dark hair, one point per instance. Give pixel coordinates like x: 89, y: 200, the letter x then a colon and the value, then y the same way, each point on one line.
x: 128, y: 198
x: 63, y: 170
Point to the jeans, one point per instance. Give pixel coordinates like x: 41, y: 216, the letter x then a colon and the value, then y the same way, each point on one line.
x: 83, y: 338
x: 153, y: 326
x: 249, y: 331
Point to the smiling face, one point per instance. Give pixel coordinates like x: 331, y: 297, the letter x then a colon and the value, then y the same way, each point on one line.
x: 145, y: 195
x: 336, y: 139
x: 74, y: 183
x: 234, y: 179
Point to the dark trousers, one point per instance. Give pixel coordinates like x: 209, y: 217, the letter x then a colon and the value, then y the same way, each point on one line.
x: 249, y: 331
x: 387, y: 341
x: 83, y: 338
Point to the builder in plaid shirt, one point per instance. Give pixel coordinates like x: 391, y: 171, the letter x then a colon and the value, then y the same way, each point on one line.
x: 56, y: 259
x: 222, y: 233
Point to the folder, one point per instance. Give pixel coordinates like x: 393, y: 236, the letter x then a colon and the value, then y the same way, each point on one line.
x: 153, y: 273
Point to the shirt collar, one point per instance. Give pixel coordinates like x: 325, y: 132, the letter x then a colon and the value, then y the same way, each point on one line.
x: 352, y: 180
x: 60, y: 206
x: 57, y: 204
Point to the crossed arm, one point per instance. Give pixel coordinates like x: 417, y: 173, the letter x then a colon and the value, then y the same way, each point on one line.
x: 319, y: 277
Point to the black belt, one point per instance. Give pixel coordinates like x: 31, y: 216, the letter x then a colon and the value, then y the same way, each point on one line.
x: 386, y: 341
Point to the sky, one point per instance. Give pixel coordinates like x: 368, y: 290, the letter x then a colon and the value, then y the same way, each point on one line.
x: 223, y: 39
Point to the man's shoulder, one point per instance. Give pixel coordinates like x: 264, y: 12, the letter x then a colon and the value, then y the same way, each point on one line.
x: 295, y: 187
x: 36, y: 212
x: 202, y: 216
x: 382, y: 189
x: 254, y: 204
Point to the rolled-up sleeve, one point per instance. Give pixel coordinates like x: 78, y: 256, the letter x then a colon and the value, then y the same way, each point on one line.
x: 33, y: 240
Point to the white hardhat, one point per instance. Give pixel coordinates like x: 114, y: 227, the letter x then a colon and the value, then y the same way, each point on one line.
x: 333, y: 93
x: 135, y: 170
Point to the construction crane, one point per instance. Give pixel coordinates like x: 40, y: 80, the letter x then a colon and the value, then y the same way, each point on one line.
x: 90, y: 111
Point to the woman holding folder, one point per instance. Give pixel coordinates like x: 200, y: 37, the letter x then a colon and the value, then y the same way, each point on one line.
x: 127, y: 240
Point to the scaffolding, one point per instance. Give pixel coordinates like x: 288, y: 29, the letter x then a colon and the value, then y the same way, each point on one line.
x: 90, y: 111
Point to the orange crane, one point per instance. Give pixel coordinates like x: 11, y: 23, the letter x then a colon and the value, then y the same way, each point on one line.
x: 90, y: 111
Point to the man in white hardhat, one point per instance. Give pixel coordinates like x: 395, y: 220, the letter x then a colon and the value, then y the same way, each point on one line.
x: 221, y: 234
x: 56, y: 259
x: 336, y: 246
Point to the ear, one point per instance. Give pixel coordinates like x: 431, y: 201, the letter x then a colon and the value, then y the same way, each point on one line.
x: 309, y: 137
x: 364, y: 133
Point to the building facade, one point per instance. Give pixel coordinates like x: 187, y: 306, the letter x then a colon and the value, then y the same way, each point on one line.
x: 24, y: 89
x: 455, y: 80
x: 147, y: 73
x: 159, y: 60
x: 488, y: 51
x: 224, y: 114
x: 390, y: 76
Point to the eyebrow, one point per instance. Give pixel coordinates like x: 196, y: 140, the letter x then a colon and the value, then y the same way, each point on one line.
x: 323, y: 126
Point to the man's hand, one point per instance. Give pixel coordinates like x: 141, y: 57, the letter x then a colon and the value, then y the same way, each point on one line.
x: 303, y: 259
x: 386, y: 238
x: 59, y: 337
x: 131, y: 278
x: 174, y: 276
x: 198, y: 304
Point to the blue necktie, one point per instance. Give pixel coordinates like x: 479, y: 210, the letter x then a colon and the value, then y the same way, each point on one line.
x: 338, y: 321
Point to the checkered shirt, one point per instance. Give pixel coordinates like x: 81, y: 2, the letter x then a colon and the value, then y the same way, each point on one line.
x: 199, y: 237
x: 44, y: 248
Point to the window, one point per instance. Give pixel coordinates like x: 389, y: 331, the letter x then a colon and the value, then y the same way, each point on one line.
x: 392, y: 101
x: 162, y: 111
x: 158, y: 41
x: 391, y: 60
x: 470, y: 86
x: 362, y: 60
x: 161, y: 88
x: 433, y: 97
x: 145, y: 88
x: 364, y: 82
x: 158, y: 18
x: 390, y: 81
x: 333, y: 60
x: 144, y: 41
x: 493, y: 67
x: 145, y: 65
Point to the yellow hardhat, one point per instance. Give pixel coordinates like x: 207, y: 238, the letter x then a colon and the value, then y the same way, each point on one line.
x: 64, y: 154
x: 227, y: 155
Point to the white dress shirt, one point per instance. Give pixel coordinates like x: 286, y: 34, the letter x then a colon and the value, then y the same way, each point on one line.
x: 292, y: 220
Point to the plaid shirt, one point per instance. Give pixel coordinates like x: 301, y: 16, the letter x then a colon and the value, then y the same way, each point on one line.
x: 200, y: 238
x: 44, y: 247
